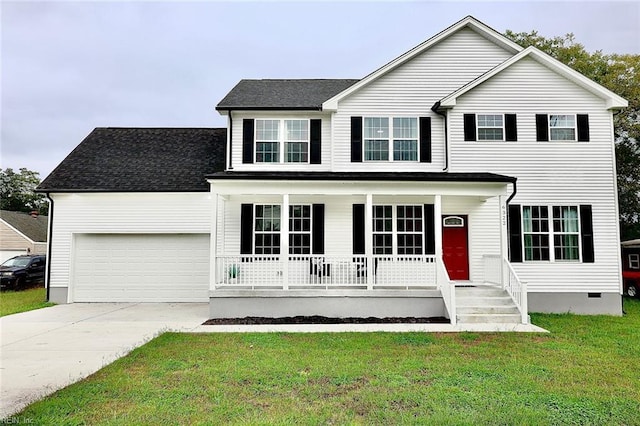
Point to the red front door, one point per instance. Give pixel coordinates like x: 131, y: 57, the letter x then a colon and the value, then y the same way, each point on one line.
x: 455, y: 250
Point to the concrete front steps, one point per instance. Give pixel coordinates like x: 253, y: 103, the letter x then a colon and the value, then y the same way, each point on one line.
x: 485, y: 304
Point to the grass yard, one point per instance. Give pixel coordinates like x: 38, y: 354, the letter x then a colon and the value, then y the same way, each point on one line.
x: 586, y: 372
x: 13, y: 302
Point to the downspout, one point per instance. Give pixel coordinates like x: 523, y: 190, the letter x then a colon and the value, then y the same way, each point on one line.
x: 436, y: 108
x: 515, y: 191
x: 49, y: 243
x: 230, y: 140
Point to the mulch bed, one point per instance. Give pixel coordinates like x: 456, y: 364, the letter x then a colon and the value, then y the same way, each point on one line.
x: 325, y: 320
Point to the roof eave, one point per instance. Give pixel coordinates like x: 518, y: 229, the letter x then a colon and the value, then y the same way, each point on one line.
x: 269, y: 108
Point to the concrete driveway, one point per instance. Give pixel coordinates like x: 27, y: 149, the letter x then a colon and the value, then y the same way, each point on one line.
x: 47, y: 349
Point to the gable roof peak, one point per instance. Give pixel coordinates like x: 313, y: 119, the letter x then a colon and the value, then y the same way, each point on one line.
x: 613, y: 101
x: 466, y: 22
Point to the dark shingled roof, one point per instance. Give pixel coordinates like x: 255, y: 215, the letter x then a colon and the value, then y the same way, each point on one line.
x: 368, y: 176
x: 35, y: 228
x: 116, y: 159
x: 308, y: 94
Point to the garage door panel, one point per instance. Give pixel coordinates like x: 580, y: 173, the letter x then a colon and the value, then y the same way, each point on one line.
x: 141, y: 268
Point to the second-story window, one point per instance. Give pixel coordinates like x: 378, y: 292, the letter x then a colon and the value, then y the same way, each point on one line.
x: 405, y: 139
x: 279, y: 141
x: 490, y: 127
x: 382, y: 134
x: 267, y: 141
x: 562, y: 127
x: 296, y: 140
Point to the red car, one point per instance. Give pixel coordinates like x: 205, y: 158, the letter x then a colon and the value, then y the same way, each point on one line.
x: 631, y: 283
x: 631, y: 267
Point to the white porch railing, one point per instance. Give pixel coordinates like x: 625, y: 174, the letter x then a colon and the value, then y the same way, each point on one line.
x: 320, y: 271
x: 499, y: 271
x: 448, y: 290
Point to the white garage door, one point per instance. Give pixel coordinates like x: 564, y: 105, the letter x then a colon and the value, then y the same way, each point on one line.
x: 141, y: 268
x: 8, y: 254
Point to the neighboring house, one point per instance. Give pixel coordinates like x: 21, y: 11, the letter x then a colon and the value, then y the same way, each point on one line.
x: 467, y: 160
x: 22, y: 233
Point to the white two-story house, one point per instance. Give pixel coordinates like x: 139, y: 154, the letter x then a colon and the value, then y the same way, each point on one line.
x: 467, y: 168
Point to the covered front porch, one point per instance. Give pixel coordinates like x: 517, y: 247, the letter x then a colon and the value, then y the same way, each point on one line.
x: 370, y: 247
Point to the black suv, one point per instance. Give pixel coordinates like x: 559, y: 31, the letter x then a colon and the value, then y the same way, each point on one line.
x: 19, y: 271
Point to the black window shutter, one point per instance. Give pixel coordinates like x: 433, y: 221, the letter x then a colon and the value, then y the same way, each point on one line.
x: 315, y: 155
x: 246, y: 229
x: 247, y: 140
x: 429, y: 229
x: 425, y: 139
x: 515, y: 233
x: 583, y: 127
x: 356, y: 139
x: 586, y: 234
x: 469, y: 127
x: 542, y: 127
x: 358, y: 229
x: 318, y: 228
x: 510, y: 128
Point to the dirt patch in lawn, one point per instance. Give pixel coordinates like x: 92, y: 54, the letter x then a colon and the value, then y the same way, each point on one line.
x: 315, y: 319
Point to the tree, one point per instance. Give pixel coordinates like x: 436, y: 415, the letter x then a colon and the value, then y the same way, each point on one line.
x: 620, y: 74
x: 17, y: 191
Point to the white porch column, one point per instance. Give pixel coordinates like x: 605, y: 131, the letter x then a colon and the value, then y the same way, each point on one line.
x: 213, y: 242
x: 437, y: 217
x: 504, y: 237
x: 284, y: 241
x: 368, y: 239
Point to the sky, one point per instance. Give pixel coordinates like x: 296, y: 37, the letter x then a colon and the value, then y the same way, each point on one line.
x: 68, y: 67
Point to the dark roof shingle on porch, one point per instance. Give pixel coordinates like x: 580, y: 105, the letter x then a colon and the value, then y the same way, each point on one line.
x: 484, y: 177
x: 301, y: 94
x: 115, y: 159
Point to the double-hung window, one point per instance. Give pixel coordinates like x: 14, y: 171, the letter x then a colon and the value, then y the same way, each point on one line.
x: 566, y: 233
x: 535, y: 230
x: 282, y: 141
x: 296, y: 141
x: 267, y: 229
x: 562, y: 127
x: 634, y: 261
x: 382, y: 229
x: 376, y: 139
x: 300, y: 229
x: 382, y: 135
x: 490, y: 127
x: 409, y: 228
x: 405, y: 139
x: 397, y: 230
x: 544, y: 235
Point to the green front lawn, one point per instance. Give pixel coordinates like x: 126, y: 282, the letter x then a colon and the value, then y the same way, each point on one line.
x: 13, y: 302
x: 585, y: 372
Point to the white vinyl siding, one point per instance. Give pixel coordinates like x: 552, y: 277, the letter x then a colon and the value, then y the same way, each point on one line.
x: 410, y: 90
x: 557, y: 174
x: 295, y: 150
x: 121, y: 213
